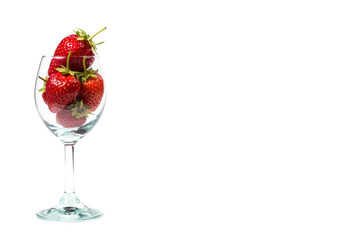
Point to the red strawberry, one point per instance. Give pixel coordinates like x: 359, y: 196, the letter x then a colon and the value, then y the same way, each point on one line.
x: 80, y: 44
x: 73, y: 116
x: 66, y: 119
x: 92, y: 88
x: 61, y: 88
x: 92, y: 91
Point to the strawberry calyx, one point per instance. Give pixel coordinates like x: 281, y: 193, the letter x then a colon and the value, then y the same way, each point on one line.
x: 66, y: 70
x: 42, y: 90
x: 79, y: 110
x: 87, y: 73
x: 84, y: 36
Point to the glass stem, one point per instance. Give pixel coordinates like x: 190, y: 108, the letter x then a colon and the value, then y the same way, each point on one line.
x: 69, y: 168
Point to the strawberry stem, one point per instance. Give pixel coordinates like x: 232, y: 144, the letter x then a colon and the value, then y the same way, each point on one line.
x: 42, y: 78
x: 97, y: 33
x: 84, y: 65
x: 67, y: 61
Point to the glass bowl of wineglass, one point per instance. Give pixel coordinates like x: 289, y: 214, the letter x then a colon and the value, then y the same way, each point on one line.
x: 70, y: 104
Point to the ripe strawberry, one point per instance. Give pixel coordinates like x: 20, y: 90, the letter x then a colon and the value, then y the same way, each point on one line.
x: 92, y: 91
x: 66, y: 119
x: 80, y: 44
x: 92, y: 88
x: 72, y: 116
x: 61, y: 88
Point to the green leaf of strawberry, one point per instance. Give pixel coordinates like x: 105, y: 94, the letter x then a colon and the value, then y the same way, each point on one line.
x: 79, y: 110
x: 84, y: 36
x: 87, y: 73
x: 66, y: 70
x: 42, y: 90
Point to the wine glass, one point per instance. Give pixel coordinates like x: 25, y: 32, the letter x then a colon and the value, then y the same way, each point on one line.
x: 70, y: 121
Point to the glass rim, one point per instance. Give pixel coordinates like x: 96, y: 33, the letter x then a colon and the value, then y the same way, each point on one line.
x: 52, y: 56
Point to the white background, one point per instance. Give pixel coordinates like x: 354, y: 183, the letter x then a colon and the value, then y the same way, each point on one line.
x: 224, y: 120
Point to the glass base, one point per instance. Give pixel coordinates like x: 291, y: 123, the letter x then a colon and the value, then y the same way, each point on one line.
x: 69, y: 209
x: 68, y: 214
